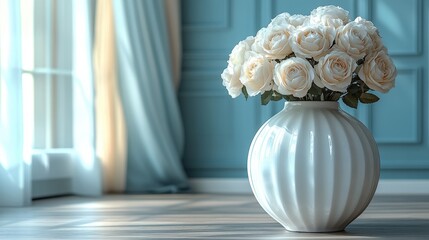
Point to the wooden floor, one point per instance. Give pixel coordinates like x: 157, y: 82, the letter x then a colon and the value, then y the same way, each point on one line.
x: 196, y: 217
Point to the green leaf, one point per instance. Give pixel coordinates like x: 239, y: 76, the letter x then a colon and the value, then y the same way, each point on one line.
x: 365, y: 87
x: 276, y: 96
x: 355, y: 78
x: 290, y: 98
x: 266, y: 97
x: 368, y: 98
x: 244, y: 91
x: 315, y: 90
x: 354, y: 89
x: 350, y: 100
x: 336, y: 96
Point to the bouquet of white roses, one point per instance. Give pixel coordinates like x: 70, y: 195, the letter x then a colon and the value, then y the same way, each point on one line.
x: 320, y: 57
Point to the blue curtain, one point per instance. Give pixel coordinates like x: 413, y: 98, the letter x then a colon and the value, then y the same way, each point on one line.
x: 154, y: 126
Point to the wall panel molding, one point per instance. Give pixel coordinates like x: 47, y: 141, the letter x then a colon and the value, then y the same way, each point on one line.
x: 407, y: 127
x: 402, y: 35
x: 405, y: 164
x: 293, y: 8
x: 362, y: 8
x: 218, y: 24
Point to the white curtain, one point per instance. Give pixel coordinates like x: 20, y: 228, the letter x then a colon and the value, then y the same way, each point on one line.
x: 15, y: 174
x: 87, y: 179
x: 15, y: 144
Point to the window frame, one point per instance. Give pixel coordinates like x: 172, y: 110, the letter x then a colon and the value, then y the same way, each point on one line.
x: 52, y: 163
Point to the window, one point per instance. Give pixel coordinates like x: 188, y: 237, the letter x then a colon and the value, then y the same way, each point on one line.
x: 52, y: 43
x: 47, y: 80
x: 47, y: 72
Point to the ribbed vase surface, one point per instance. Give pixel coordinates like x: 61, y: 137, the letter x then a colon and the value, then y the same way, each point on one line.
x: 313, y: 167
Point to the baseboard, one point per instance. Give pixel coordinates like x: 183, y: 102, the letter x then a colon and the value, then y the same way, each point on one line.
x: 242, y: 186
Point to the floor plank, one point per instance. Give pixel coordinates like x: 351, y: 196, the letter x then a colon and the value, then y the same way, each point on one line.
x: 197, y: 216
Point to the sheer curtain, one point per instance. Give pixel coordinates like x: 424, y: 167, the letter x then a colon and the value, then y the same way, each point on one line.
x: 155, y: 134
x: 87, y: 178
x: 15, y: 143
x: 15, y: 174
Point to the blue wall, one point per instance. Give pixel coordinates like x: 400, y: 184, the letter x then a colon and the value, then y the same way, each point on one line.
x: 219, y: 129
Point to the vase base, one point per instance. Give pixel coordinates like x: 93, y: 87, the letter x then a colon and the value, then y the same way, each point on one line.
x: 317, y: 230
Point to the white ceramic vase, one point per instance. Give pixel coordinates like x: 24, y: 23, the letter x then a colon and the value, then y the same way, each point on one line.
x: 313, y: 167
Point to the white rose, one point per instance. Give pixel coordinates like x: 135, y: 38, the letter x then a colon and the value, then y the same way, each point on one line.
x: 285, y: 19
x: 256, y: 74
x: 280, y: 20
x: 231, y: 74
x: 370, y: 28
x: 273, y: 42
x: 331, y: 16
x: 354, y: 39
x: 298, y: 20
x: 377, y: 43
x: 294, y: 76
x: 237, y: 55
x: 231, y: 80
x: 378, y: 72
x: 312, y: 41
x: 335, y: 71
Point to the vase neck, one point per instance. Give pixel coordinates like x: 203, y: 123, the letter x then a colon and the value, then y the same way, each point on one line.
x: 312, y: 104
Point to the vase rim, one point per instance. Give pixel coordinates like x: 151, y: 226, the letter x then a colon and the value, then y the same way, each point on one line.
x: 313, y: 104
